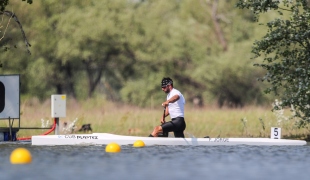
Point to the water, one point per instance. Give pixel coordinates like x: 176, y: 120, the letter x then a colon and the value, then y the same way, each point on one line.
x: 159, y: 162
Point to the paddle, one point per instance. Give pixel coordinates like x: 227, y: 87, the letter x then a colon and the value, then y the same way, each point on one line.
x: 164, y: 115
x: 164, y: 134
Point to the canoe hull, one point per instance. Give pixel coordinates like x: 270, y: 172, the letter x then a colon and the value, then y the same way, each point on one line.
x: 105, y: 138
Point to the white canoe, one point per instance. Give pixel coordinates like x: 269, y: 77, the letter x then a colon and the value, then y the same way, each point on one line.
x: 106, y: 138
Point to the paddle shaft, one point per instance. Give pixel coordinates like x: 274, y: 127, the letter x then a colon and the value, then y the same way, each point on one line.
x: 164, y: 134
x: 164, y: 114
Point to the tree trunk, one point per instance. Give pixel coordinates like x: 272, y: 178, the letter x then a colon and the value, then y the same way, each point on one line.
x: 70, y: 80
x: 91, y: 73
x: 218, y: 30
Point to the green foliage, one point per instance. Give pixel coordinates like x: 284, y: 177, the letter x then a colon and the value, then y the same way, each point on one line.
x: 120, y: 50
x: 259, y: 6
x: 285, y: 49
x: 4, y: 3
x: 144, y: 93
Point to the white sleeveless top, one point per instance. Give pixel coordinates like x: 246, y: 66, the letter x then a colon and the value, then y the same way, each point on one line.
x: 176, y: 109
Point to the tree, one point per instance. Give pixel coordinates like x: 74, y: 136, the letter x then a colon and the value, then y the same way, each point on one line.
x: 4, y: 3
x: 3, y: 12
x: 121, y: 49
x: 56, y: 75
x: 285, y: 52
x: 102, y: 49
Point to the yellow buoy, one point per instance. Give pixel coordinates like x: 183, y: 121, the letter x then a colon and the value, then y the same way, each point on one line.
x: 20, y: 156
x: 138, y: 143
x: 113, y: 148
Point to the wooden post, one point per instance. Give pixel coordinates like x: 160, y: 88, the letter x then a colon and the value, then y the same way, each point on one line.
x: 10, y: 128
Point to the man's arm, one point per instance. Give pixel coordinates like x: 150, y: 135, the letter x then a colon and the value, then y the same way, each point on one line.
x: 171, y: 100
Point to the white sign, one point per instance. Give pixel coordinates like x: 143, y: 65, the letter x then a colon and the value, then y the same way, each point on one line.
x: 275, y: 133
x: 9, y: 97
x: 58, y: 106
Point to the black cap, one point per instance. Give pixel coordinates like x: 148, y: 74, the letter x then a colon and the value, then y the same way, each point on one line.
x: 166, y: 81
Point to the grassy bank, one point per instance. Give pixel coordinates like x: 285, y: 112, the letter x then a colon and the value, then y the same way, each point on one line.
x: 127, y: 120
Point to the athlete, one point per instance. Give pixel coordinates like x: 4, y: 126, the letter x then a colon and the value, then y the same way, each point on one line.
x: 174, y: 106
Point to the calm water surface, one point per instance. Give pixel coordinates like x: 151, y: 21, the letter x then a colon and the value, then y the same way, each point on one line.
x: 159, y: 162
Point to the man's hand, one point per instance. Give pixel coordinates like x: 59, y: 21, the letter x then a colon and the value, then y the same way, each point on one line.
x: 165, y: 104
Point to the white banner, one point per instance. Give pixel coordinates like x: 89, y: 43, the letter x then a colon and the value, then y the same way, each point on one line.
x: 275, y: 133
